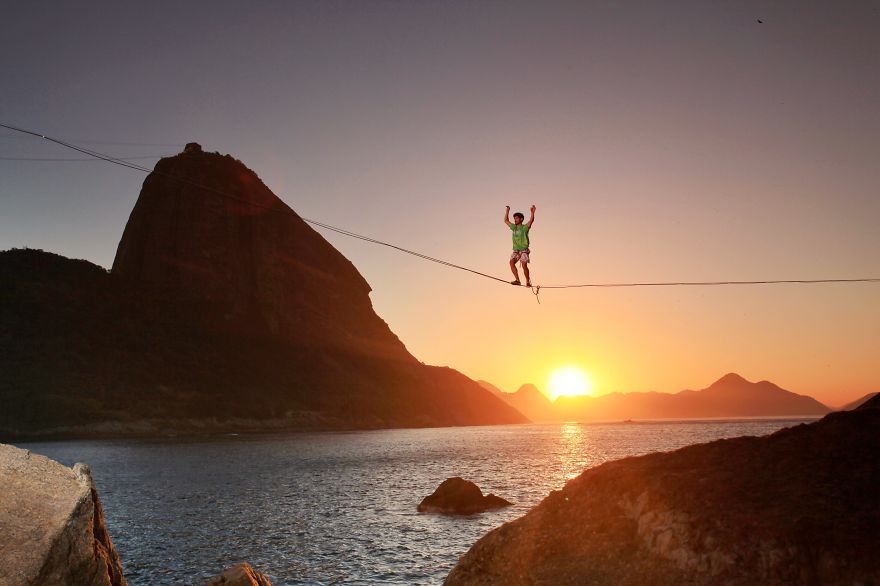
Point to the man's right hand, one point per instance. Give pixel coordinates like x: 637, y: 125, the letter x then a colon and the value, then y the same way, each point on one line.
x: 508, y: 208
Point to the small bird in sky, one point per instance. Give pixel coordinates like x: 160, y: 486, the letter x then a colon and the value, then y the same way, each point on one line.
x: 760, y: 21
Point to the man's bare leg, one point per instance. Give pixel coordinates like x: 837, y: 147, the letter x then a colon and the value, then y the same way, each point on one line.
x: 526, y: 273
x: 513, y: 269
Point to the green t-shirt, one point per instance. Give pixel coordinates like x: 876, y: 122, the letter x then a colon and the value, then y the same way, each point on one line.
x: 520, y: 236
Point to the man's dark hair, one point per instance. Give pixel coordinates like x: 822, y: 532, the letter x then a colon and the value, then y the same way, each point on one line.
x: 520, y: 214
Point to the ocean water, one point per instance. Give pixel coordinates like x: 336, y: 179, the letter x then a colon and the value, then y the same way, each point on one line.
x: 340, y: 508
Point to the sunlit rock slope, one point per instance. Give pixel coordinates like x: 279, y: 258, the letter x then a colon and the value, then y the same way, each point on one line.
x: 800, y: 506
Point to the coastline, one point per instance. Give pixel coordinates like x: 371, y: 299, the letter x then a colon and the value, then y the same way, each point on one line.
x: 212, y: 428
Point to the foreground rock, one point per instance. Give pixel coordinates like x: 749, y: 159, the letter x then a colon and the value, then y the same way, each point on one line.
x: 51, y: 524
x: 240, y: 575
x: 800, y: 506
x: 457, y: 496
x: 872, y: 403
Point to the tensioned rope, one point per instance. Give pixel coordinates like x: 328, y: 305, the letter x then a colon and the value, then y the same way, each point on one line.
x: 78, y: 159
x: 395, y: 247
x: 105, y: 142
x: 535, y: 289
x: 125, y: 163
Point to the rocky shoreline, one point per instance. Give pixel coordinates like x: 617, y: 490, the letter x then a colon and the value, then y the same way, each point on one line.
x: 53, y: 532
x: 305, y: 422
x: 799, y: 506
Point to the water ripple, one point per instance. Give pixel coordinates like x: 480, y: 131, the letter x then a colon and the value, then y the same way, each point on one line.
x: 339, y: 508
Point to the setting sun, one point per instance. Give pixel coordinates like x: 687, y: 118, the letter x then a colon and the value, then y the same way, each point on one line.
x: 569, y: 382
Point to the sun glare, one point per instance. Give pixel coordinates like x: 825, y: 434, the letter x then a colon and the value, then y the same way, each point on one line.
x: 569, y: 382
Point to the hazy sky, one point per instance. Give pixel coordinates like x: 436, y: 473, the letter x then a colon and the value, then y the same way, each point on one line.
x: 659, y: 140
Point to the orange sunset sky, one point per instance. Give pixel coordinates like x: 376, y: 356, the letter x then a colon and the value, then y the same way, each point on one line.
x: 660, y: 142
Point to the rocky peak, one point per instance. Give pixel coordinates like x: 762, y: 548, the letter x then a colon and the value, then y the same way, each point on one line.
x: 731, y: 379
x: 529, y: 389
x: 205, y: 227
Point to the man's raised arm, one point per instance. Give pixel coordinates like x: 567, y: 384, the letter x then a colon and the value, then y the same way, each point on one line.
x: 532, y: 217
x: 507, y: 216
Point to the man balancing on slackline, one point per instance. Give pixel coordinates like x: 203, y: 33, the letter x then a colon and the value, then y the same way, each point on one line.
x: 520, y: 243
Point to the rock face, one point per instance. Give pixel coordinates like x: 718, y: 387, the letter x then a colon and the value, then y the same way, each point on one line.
x: 51, y: 524
x: 224, y: 311
x: 206, y: 227
x: 457, y: 496
x: 240, y: 575
x: 800, y: 506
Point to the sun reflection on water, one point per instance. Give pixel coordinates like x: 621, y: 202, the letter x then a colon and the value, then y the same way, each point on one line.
x: 577, y: 450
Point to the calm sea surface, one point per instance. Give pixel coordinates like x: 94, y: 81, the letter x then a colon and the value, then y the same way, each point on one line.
x: 340, y: 508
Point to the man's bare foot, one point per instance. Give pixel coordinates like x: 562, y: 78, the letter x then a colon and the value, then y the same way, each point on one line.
x: 515, y: 282
x: 528, y: 284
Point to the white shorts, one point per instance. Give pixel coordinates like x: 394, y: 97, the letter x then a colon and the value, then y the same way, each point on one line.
x: 520, y: 256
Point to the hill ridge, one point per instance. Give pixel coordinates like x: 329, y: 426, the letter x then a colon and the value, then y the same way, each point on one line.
x: 729, y: 396
x: 217, y: 315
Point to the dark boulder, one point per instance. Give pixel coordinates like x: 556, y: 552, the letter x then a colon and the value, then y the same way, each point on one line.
x: 457, y: 496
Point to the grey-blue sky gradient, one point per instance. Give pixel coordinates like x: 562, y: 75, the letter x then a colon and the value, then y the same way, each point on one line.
x: 660, y: 141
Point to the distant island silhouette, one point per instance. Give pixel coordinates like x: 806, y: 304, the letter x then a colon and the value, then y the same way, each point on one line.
x: 219, y: 314
x: 528, y: 400
x: 729, y: 396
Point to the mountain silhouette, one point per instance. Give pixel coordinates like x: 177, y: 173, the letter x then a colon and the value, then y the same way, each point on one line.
x: 248, y: 254
x: 223, y: 311
x: 491, y: 388
x: 528, y: 400
x: 729, y: 396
